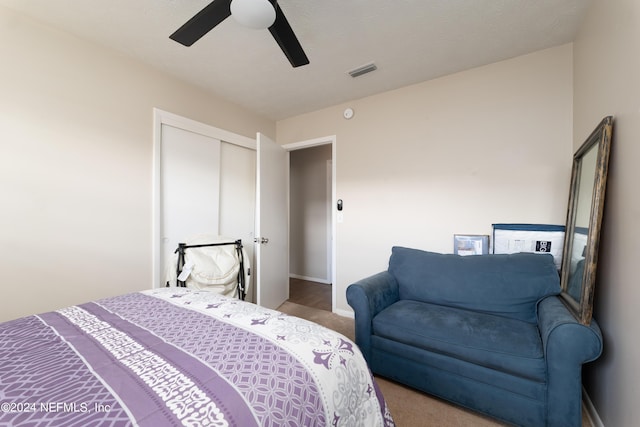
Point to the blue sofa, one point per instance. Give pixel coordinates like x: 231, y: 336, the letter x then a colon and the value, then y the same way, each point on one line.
x: 486, y: 332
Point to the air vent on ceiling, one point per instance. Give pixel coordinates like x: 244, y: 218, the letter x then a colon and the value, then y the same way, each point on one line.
x: 363, y: 70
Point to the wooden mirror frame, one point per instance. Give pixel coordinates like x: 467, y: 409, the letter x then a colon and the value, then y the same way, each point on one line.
x: 577, y: 291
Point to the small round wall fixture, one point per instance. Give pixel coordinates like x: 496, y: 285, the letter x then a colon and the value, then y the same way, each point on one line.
x: 348, y: 113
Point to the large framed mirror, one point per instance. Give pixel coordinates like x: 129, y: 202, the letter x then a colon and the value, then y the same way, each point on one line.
x: 584, y: 218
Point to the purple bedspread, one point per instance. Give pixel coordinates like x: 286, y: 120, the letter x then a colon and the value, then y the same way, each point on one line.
x: 180, y: 357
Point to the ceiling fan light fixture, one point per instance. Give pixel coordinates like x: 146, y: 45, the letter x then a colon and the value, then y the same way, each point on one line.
x: 257, y: 14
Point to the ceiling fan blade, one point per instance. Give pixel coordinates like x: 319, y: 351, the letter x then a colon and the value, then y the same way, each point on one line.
x: 203, y: 22
x: 287, y: 40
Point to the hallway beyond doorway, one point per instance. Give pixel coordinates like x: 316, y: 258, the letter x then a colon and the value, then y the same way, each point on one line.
x: 310, y: 294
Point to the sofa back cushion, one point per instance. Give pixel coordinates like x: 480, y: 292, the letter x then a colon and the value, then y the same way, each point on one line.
x: 505, y: 285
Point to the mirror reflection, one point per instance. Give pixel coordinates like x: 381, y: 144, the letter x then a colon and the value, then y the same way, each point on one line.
x: 584, y: 197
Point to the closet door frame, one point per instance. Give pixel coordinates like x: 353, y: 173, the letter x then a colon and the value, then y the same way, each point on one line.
x: 160, y: 118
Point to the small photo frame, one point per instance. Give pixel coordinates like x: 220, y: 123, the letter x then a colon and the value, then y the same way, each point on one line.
x: 470, y: 244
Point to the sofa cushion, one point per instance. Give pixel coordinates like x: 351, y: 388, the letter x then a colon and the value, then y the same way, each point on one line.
x: 506, y: 345
x: 506, y: 285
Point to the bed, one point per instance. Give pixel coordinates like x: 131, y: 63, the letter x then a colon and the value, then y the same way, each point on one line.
x: 178, y: 356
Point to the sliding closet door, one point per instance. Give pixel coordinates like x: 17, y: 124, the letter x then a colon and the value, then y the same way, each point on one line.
x: 189, y: 188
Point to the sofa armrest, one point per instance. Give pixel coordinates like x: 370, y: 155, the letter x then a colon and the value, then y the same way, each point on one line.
x: 567, y: 345
x: 369, y: 297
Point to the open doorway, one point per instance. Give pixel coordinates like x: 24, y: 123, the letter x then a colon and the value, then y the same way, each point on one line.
x: 311, y: 230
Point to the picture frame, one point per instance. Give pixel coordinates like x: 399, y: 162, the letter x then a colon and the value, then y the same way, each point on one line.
x: 470, y: 244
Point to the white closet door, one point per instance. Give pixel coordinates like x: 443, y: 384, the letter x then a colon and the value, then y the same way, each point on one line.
x: 189, y: 188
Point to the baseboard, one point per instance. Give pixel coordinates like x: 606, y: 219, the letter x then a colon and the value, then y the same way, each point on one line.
x: 591, y: 410
x: 345, y: 313
x: 310, y: 279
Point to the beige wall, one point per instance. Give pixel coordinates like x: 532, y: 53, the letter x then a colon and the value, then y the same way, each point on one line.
x: 451, y: 155
x: 76, y: 125
x: 607, y: 82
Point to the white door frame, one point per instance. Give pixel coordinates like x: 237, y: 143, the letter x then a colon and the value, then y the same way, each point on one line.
x: 330, y: 207
x: 161, y: 117
x: 314, y: 143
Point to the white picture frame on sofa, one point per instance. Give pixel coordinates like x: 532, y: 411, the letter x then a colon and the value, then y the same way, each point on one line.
x: 470, y: 244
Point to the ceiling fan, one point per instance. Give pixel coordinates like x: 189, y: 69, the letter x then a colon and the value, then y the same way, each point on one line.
x: 250, y: 13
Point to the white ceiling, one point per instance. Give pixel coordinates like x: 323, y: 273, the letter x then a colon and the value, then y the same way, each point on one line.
x: 409, y: 40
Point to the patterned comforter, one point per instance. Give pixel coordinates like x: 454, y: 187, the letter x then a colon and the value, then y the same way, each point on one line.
x: 175, y: 356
